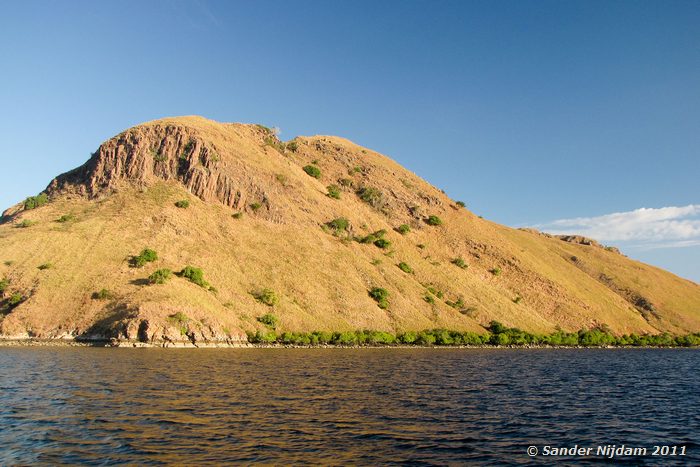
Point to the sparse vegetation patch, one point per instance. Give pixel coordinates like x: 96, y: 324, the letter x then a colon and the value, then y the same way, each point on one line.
x: 403, y: 229
x: 266, y: 296
x: 459, y: 262
x: 433, y: 220
x: 161, y: 276
x: 269, y: 320
x: 183, y: 204
x: 146, y: 256
x: 312, y: 171
x: 194, y: 275
x: 103, y: 294
x: 333, y: 191
x: 34, y: 202
x: 381, y: 296
x: 405, y: 268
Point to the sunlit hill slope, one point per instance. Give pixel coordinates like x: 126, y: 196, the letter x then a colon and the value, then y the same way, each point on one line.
x: 257, y: 216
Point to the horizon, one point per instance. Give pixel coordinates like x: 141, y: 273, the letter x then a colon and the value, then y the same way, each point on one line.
x: 569, y: 118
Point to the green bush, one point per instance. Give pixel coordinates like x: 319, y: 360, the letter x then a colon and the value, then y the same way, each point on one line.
x: 403, y: 229
x: 161, y: 276
x: 460, y: 263
x: 65, y: 218
x: 382, y: 243
x: 405, y: 268
x: 146, y: 256
x: 433, y: 220
x: 333, y: 191
x: 339, y: 225
x: 255, y: 206
x: 268, y: 320
x: 372, y: 196
x: 458, y: 304
x: 429, y: 298
x: 26, y: 223
x: 237, y: 215
x: 103, y: 294
x: 517, y: 299
x: 381, y: 296
x: 312, y: 171
x: 43, y: 267
x: 34, y: 202
x: 496, y: 271
x: 292, y: 146
x: 266, y: 296
x: 460, y: 204
x: 183, y: 204
x: 3, y: 285
x: 434, y: 291
x: 15, y: 299
x: 194, y: 275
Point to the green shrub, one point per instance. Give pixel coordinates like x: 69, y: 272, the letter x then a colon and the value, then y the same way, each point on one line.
x: 458, y: 304
x: 65, y: 218
x: 282, y: 179
x: 405, y: 268
x: 333, y: 191
x: 408, y: 337
x: 434, y: 291
x: 403, y: 229
x: 3, y: 285
x: 26, y: 223
x: 382, y: 243
x: 180, y: 319
x: 146, y: 256
x: 237, y: 215
x: 268, y: 320
x: 433, y: 220
x: 183, y: 204
x: 34, y: 202
x: 103, y: 294
x: 255, y: 206
x: 43, y: 267
x: 161, y: 276
x: 339, y: 225
x: 460, y: 204
x: 373, y: 237
x: 496, y: 271
x: 429, y: 298
x: 292, y: 146
x: 381, y: 296
x: 372, y: 196
x: 266, y: 296
x: 459, y: 262
x: 355, y: 170
x: 312, y: 171
x: 15, y: 299
x: 194, y: 275
x: 517, y: 299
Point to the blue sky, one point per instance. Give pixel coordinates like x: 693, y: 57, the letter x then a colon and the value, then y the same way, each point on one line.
x: 570, y: 116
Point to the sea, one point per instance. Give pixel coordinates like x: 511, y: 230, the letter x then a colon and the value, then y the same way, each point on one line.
x: 357, y: 406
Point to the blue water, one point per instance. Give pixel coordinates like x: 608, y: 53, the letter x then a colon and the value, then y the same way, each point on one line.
x: 344, y: 406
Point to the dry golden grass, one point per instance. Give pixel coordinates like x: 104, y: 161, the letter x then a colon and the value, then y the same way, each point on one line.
x: 322, y: 280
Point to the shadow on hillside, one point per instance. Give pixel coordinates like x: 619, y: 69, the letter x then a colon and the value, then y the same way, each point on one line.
x: 113, y: 326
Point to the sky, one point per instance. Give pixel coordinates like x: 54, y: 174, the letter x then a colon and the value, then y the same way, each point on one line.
x: 569, y: 116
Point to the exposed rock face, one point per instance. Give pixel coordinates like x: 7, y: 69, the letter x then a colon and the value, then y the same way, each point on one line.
x: 166, y: 152
x: 579, y: 239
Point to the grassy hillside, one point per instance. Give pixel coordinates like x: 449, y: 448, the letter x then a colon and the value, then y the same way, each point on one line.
x: 260, y: 217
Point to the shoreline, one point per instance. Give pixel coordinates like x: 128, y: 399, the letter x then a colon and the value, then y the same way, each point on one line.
x: 126, y: 344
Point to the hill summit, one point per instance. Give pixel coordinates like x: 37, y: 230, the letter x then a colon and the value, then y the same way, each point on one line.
x: 189, y: 230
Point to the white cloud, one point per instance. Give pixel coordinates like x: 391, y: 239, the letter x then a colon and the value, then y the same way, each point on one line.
x: 669, y: 227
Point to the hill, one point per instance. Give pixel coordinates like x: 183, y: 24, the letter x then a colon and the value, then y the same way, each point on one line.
x: 303, y: 233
